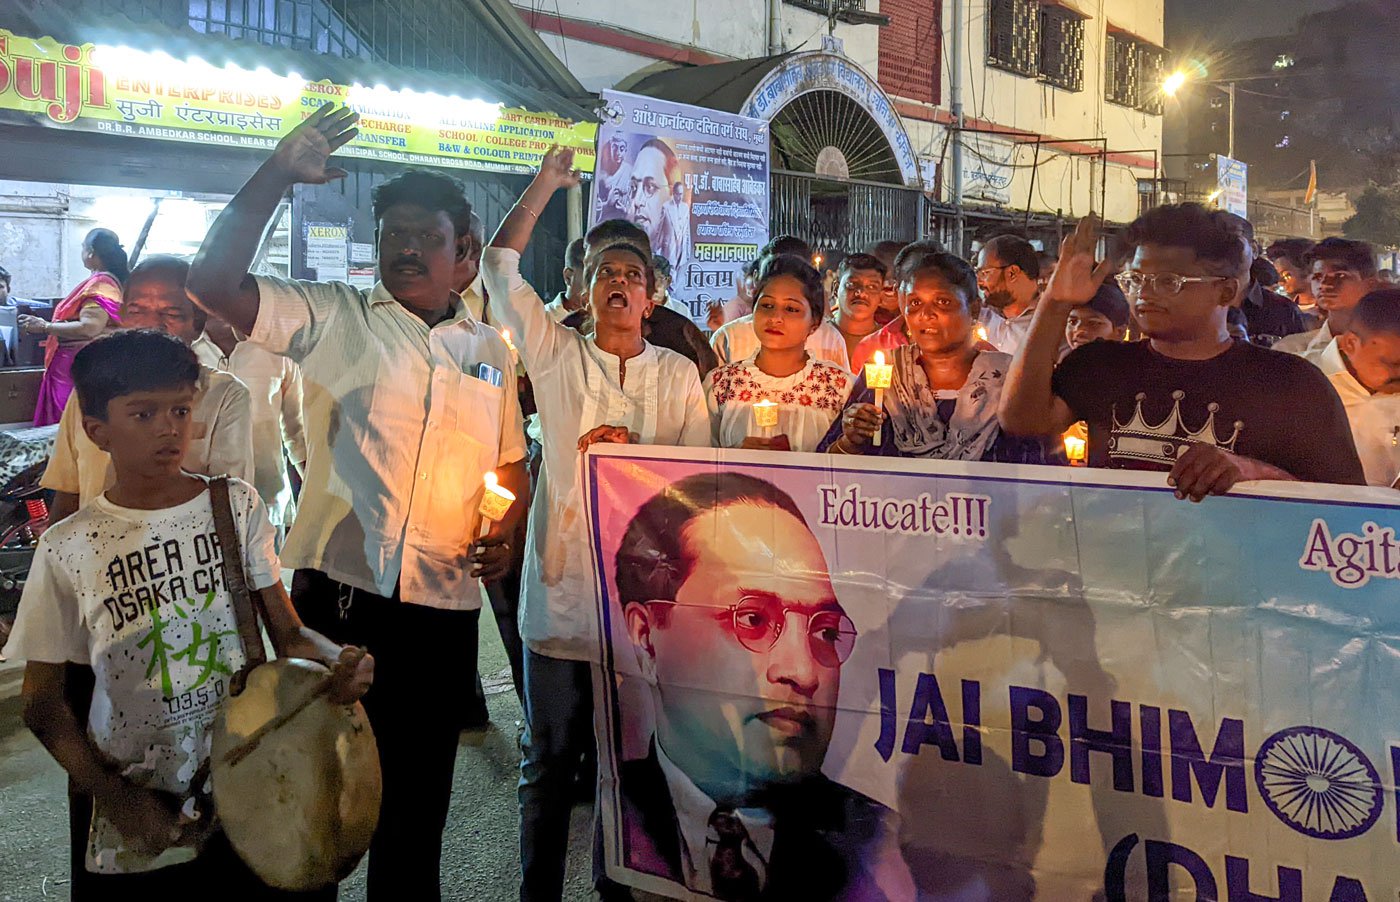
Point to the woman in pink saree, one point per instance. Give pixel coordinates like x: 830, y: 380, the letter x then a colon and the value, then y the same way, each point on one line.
x: 88, y: 311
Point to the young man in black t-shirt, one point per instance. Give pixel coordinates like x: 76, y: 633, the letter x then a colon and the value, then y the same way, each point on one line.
x: 1188, y: 399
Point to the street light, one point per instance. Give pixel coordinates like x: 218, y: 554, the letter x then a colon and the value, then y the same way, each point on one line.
x: 1173, y: 83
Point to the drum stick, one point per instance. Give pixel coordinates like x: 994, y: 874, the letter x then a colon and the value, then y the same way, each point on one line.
x: 238, y: 753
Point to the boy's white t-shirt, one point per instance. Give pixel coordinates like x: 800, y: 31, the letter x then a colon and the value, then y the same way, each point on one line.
x: 139, y: 596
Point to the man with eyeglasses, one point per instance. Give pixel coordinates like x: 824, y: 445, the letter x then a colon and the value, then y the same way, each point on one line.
x: 1189, y: 399
x: 1008, y: 273
x: 1341, y: 272
x: 744, y: 656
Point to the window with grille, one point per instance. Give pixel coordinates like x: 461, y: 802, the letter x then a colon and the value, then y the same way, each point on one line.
x: 825, y: 7
x: 1133, y: 73
x: 1061, y: 48
x: 910, y: 51
x: 1013, y: 36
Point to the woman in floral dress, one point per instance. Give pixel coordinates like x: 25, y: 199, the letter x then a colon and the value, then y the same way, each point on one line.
x: 790, y: 305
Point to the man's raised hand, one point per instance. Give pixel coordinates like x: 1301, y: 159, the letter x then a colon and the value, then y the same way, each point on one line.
x: 557, y: 167
x: 1079, y: 274
x: 303, y: 153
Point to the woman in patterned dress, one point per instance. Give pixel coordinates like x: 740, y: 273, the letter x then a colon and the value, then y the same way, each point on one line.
x: 790, y: 305
x: 943, y: 401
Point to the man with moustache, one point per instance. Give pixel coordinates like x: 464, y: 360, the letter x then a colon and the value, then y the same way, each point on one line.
x: 860, y: 285
x: 745, y: 660
x: 1008, y: 274
x: 410, y: 400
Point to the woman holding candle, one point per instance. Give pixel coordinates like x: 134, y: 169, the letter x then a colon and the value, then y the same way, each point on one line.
x: 610, y: 386
x: 943, y: 389
x: 780, y: 398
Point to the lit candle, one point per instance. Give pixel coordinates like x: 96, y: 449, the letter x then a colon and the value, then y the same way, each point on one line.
x: 496, y: 500
x: 980, y: 332
x: 765, y: 417
x: 879, y: 375
x: 1076, y: 449
x: 514, y: 354
x: 816, y: 261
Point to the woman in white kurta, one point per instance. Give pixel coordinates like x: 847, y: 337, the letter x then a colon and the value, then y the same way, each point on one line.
x: 610, y: 386
x: 809, y: 393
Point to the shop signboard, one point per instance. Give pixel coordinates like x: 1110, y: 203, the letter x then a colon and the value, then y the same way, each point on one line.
x: 141, y: 94
x: 869, y: 678
x: 1233, y: 178
x: 696, y: 180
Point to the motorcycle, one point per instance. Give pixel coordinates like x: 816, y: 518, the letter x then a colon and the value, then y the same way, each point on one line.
x: 24, y: 514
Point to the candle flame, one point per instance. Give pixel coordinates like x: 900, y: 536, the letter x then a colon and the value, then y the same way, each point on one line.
x: 1075, y: 447
x: 981, y: 332
x: 879, y: 358
x: 493, y: 485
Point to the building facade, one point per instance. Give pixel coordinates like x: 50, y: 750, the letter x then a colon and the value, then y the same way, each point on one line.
x: 1061, y: 101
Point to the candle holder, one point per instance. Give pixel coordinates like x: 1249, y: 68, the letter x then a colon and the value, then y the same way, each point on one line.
x: 879, y: 375
x: 495, y: 501
x: 765, y: 417
x: 1076, y: 449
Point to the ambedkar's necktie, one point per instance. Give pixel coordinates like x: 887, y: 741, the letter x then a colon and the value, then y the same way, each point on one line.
x: 731, y: 876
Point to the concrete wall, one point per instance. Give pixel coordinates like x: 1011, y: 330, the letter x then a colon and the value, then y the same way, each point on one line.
x: 643, y: 40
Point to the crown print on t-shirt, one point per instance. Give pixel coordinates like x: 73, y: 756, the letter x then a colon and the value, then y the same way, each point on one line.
x: 1164, y: 442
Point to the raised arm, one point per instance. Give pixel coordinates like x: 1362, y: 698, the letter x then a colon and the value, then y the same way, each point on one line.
x: 219, y: 280
x: 1028, y: 404
x: 514, y: 302
x: 556, y: 171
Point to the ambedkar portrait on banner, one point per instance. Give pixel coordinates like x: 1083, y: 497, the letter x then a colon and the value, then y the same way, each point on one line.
x: 735, y: 624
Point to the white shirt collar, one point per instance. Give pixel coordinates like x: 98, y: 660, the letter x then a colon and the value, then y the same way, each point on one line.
x: 1334, y: 367
x: 693, y: 811
x: 461, y: 308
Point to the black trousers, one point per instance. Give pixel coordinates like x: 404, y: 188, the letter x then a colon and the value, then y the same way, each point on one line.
x: 422, y: 656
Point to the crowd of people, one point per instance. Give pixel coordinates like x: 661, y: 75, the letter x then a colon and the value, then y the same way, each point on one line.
x: 393, y: 404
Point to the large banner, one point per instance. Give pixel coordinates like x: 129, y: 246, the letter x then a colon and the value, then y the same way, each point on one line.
x: 885, y: 679
x: 141, y: 94
x: 695, y: 179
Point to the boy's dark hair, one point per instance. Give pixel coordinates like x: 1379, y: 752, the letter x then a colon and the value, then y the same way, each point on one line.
x: 1013, y: 250
x: 132, y: 360
x: 786, y: 244
x: 616, y: 231
x: 1377, y: 313
x: 661, y: 265
x: 956, y: 271
x: 801, y: 270
x: 1355, y: 256
x: 1214, y: 236
x: 429, y: 190
x: 573, y: 254
x: 912, y: 252
x: 1293, y: 251
x: 5, y: 276
x: 853, y: 262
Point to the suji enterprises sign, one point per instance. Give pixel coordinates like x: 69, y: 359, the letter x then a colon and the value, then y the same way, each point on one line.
x: 133, y: 93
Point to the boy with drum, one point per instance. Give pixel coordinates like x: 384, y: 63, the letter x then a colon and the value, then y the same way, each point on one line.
x: 133, y: 585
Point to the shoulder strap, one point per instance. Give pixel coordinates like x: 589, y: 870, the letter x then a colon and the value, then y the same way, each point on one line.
x: 244, y: 608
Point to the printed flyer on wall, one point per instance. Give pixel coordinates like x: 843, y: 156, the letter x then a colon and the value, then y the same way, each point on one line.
x: 695, y: 180
x: 882, y: 679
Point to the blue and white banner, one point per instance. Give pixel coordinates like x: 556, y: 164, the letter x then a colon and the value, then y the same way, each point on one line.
x: 827, y: 677
x: 695, y: 180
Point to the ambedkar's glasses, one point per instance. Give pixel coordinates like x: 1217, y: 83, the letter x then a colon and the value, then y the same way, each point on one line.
x: 758, y: 622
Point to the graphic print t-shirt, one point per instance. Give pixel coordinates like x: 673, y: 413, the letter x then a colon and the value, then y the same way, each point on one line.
x: 139, y: 596
x: 1145, y: 410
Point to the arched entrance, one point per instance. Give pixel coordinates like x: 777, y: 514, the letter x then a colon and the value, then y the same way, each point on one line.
x: 844, y: 173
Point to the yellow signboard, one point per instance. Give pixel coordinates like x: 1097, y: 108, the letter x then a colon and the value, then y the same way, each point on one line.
x: 120, y: 91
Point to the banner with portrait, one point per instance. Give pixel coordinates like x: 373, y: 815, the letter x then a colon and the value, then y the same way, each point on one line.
x: 848, y: 678
x: 695, y: 180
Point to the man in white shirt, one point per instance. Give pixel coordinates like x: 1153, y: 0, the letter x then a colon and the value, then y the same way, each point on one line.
x: 154, y: 298
x: 1363, y: 365
x: 1008, y: 273
x: 274, y: 387
x: 575, y: 294
x: 1341, y: 272
x: 410, y: 401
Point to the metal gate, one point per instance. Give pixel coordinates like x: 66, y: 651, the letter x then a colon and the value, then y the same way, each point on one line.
x: 844, y: 216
